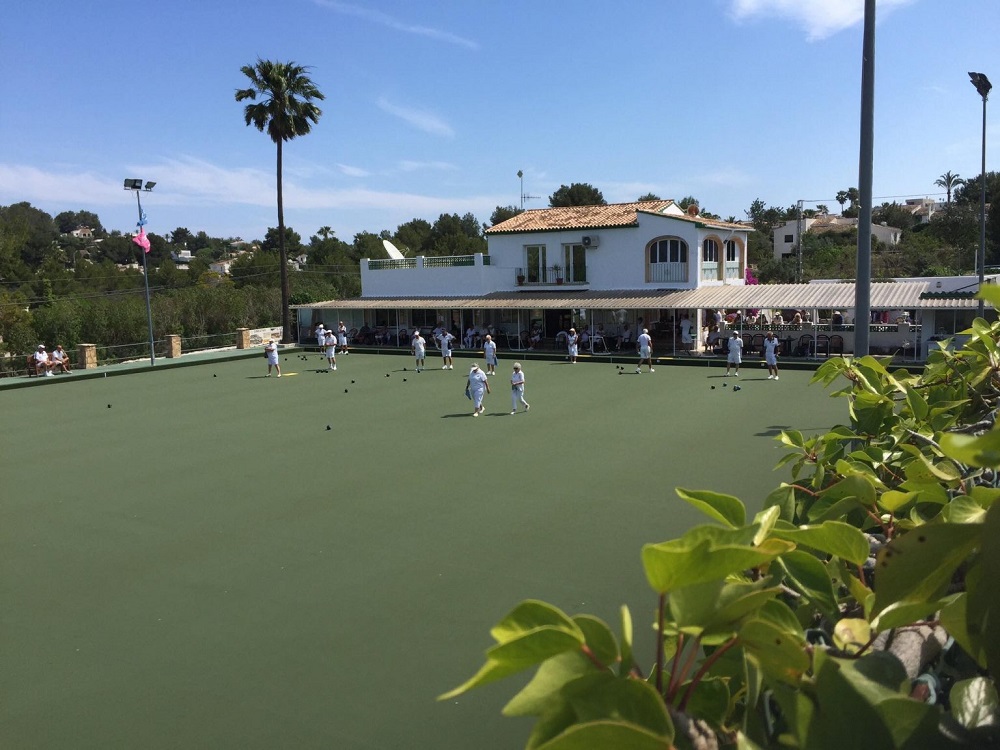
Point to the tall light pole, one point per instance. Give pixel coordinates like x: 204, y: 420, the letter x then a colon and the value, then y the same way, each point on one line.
x: 983, y: 86
x: 137, y: 187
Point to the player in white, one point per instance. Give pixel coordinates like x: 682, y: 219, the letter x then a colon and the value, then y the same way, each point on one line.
x: 321, y: 336
x: 735, y: 356
x: 417, y: 349
x: 271, y: 352
x: 687, y: 340
x: 572, y: 345
x: 342, y: 337
x: 490, y: 353
x: 645, y: 344
x: 331, y: 349
x: 446, y: 339
x: 517, y: 389
x: 771, y: 345
x: 478, y: 386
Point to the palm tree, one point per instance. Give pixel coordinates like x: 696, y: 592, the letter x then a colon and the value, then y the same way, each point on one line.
x: 325, y: 232
x: 841, y: 199
x: 286, y: 110
x: 823, y: 208
x: 949, y: 182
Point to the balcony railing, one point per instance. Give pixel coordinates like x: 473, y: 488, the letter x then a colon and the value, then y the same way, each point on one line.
x: 432, y: 261
x: 668, y: 272
x: 547, y: 277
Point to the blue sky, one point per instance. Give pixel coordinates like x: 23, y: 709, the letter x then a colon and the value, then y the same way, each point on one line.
x: 434, y: 107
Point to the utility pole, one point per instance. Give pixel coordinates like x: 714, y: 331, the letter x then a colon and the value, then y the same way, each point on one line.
x: 866, y: 159
x: 798, y: 243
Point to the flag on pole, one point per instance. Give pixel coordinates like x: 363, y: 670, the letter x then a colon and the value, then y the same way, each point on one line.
x: 141, y: 239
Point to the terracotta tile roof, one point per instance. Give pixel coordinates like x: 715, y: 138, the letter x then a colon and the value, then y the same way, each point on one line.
x: 578, y: 217
x: 840, y: 295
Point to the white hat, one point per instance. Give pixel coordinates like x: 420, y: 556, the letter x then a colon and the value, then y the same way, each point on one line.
x: 474, y: 367
x: 41, y: 346
x: 645, y: 330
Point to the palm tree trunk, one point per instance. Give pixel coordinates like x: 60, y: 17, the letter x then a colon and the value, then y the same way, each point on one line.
x: 286, y: 323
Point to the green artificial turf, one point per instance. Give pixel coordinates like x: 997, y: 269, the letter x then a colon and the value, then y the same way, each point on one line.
x: 205, y: 564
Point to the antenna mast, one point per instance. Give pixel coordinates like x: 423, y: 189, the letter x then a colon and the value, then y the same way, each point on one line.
x: 524, y: 196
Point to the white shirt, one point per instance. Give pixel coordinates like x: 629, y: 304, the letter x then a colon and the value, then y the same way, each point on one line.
x: 517, y: 380
x: 645, y: 341
x: 418, y: 346
x: 477, y: 381
x: 321, y: 335
x: 446, y: 339
x: 686, y: 330
x: 490, y: 349
x: 735, y: 346
x: 771, y: 347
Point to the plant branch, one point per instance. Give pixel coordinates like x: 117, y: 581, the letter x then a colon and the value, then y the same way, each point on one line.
x: 659, y: 643
x: 705, y: 666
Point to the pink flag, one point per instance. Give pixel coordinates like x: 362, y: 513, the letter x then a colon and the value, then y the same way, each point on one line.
x: 141, y: 239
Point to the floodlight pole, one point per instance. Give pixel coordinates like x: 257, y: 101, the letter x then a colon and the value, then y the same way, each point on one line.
x: 866, y: 158
x: 137, y: 188
x: 983, y: 86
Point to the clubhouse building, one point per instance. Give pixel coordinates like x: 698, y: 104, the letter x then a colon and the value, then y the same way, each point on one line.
x: 611, y: 269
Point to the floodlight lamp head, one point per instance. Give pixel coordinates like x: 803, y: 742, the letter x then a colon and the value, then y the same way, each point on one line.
x: 982, y: 83
x: 149, y: 186
x: 131, y: 184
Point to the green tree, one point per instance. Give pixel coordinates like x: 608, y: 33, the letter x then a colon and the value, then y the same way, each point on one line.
x: 68, y: 221
x: 413, y: 236
x: 577, y: 194
x: 949, y: 182
x: 502, y: 213
x: 31, y: 231
x: 841, y: 199
x: 286, y: 110
x: 649, y: 197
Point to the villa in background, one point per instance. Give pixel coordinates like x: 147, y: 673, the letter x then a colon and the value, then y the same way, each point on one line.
x: 786, y: 236
x: 609, y: 270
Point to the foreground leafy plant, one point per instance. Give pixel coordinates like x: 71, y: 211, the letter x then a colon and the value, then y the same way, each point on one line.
x: 855, y: 608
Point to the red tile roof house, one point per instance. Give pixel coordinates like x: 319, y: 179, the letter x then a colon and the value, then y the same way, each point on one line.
x: 601, y: 266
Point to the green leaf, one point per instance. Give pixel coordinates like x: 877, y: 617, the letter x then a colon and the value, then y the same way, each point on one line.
x: 543, y: 689
x: 601, y: 696
x: 717, y: 606
x: 723, y: 508
x: 709, y: 701
x: 983, y: 610
x: 954, y: 619
x: 893, y: 501
x: 963, y: 509
x: 972, y: 450
x: 687, y: 561
x: 766, y: 520
x: 531, y: 633
x: 902, y: 613
x: 916, y: 566
x: 917, y: 403
x: 530, y: 615
x: 781, y: 616
x: 778, y: 652
x: 850, y: 634
x: 782, y: 498
x: 626, y: 649
x: 599, y: 638
x: 833, y: 537
x: 606, y: 734
x: 974, y: 703
x: 809, y: 576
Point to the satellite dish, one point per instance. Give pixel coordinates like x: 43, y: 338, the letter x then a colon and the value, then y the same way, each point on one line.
x: 392, y: 250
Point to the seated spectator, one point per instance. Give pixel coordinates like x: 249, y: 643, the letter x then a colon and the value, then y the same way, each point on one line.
x: 60, y: 359
x: 837, y: 318
x: 535, y: 337
x: 778, y: 319
x: 714, y: 339
x: 797, y: 319
x: 585, y: 338
x: 625, y: 337
x: 43, y: 365
x: 402, y: 337
x: 469, y: 338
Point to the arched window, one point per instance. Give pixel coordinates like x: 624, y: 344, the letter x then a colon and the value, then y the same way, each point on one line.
x: 666, y: 260
x: 710, y: 251
x: 732, y: 251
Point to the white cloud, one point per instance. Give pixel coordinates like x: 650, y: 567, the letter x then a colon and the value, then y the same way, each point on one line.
x: 384, y: 19
x: 416, y: 166
x: 429, y: 123
x: 820, y: 18
x: 348, y: 170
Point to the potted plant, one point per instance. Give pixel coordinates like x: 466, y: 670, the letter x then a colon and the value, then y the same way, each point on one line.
x: 520, y: 279
x: 557, y: 270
